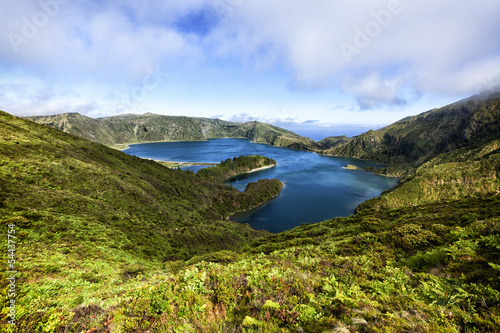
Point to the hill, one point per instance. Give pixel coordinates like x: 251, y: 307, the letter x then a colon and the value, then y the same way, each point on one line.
x: 150, y: 127
x: 415, y: 140
x: 333, y: 141
x: 88, y: 215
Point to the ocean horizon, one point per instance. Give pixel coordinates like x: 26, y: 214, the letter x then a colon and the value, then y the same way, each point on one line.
x: 318, y: 133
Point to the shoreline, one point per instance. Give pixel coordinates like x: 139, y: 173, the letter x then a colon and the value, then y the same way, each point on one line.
x: 171, y: 164
x: 261, y: 168
x: 228, y: 179
x: 229, y: 217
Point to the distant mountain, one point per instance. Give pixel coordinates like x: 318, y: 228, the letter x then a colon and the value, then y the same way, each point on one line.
x: 333, y: 141
x: 468, y: 123
x: 150, y: 127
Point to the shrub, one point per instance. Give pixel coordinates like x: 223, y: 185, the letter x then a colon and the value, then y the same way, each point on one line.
x: 371, y: 224
x: 411, y: 236
x: 422, y: 261
x: 22, y: 235
x: 467, y: 219
x: 440, y: 229
x: 250, y: 322
x: 270, y: 305
x: 132, y: 270
x: 33, y: 215
x: 91, y: 277
x: 18, y: 222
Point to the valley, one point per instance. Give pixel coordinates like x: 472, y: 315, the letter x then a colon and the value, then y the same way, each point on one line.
x: 111, y: 242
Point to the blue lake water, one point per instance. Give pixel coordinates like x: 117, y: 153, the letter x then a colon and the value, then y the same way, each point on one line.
x: 317, y: 188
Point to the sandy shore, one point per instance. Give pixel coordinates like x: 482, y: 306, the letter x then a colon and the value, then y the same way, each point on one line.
x: 262, y: 168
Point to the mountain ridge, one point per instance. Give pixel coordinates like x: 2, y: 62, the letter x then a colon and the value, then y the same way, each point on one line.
x: 416, y: 139
x: 130, y: 128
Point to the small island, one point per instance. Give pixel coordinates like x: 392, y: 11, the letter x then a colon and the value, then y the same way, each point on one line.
x: 236, y: 166
x: 352, y: 167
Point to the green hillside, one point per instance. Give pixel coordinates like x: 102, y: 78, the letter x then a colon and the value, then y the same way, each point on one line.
x: 88, y: 216
x: 333, y: 141
x: 150, y: 127
x: 462, y: 173
x: 468, y: 123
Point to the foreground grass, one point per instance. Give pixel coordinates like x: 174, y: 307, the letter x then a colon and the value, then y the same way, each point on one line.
x: 430, y: 269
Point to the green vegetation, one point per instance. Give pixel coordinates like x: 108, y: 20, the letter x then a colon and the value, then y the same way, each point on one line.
x: 333, y: 141
x: 93, y: 223
x: 119, y: 130
x: 92, y: 219
x: 459, y: 174
x: 352, y: 167
x: 233, y: 167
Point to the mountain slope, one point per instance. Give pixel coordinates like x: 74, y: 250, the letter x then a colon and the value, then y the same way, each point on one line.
x: 333, y: 141
x: 461, y: 173
x: 59, y: 174
x: 87, y: 216
x: 468, y: 123
x: 151, y: 127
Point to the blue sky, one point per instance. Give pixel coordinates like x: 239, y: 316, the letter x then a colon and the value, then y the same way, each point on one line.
x: 322, y: 64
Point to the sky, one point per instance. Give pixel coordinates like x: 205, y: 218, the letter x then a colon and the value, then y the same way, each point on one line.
x: 319, y: 65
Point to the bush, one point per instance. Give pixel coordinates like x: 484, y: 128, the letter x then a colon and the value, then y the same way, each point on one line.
x: 422, y: 261
x: 467, y: 219
x: 132, y: 270
x: 371, y: 224
x: 412, y: 236
x: 18, y: 222
x: 91, y: 277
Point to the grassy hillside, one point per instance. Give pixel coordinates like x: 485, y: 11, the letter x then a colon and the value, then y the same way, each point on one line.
x: 87, y: 217
x: 151, y: 127
x: 461, y: 173
x: 415, y: 140
x: 50, y: 171
x: 273, y: 135
x: 333, y: 141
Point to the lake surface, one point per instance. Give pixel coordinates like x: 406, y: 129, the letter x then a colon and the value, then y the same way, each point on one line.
x: 317, y: 188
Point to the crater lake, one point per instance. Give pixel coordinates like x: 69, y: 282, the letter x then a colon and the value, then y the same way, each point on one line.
x: 317, y: 187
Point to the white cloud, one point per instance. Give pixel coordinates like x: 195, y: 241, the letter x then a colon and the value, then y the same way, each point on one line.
x: 246, y: 117
x: 88, y: 40
x: 426, y: 46
x: 403, y: 49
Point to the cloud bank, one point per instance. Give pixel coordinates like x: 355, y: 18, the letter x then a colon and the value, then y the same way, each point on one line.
x: 382, y: 53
